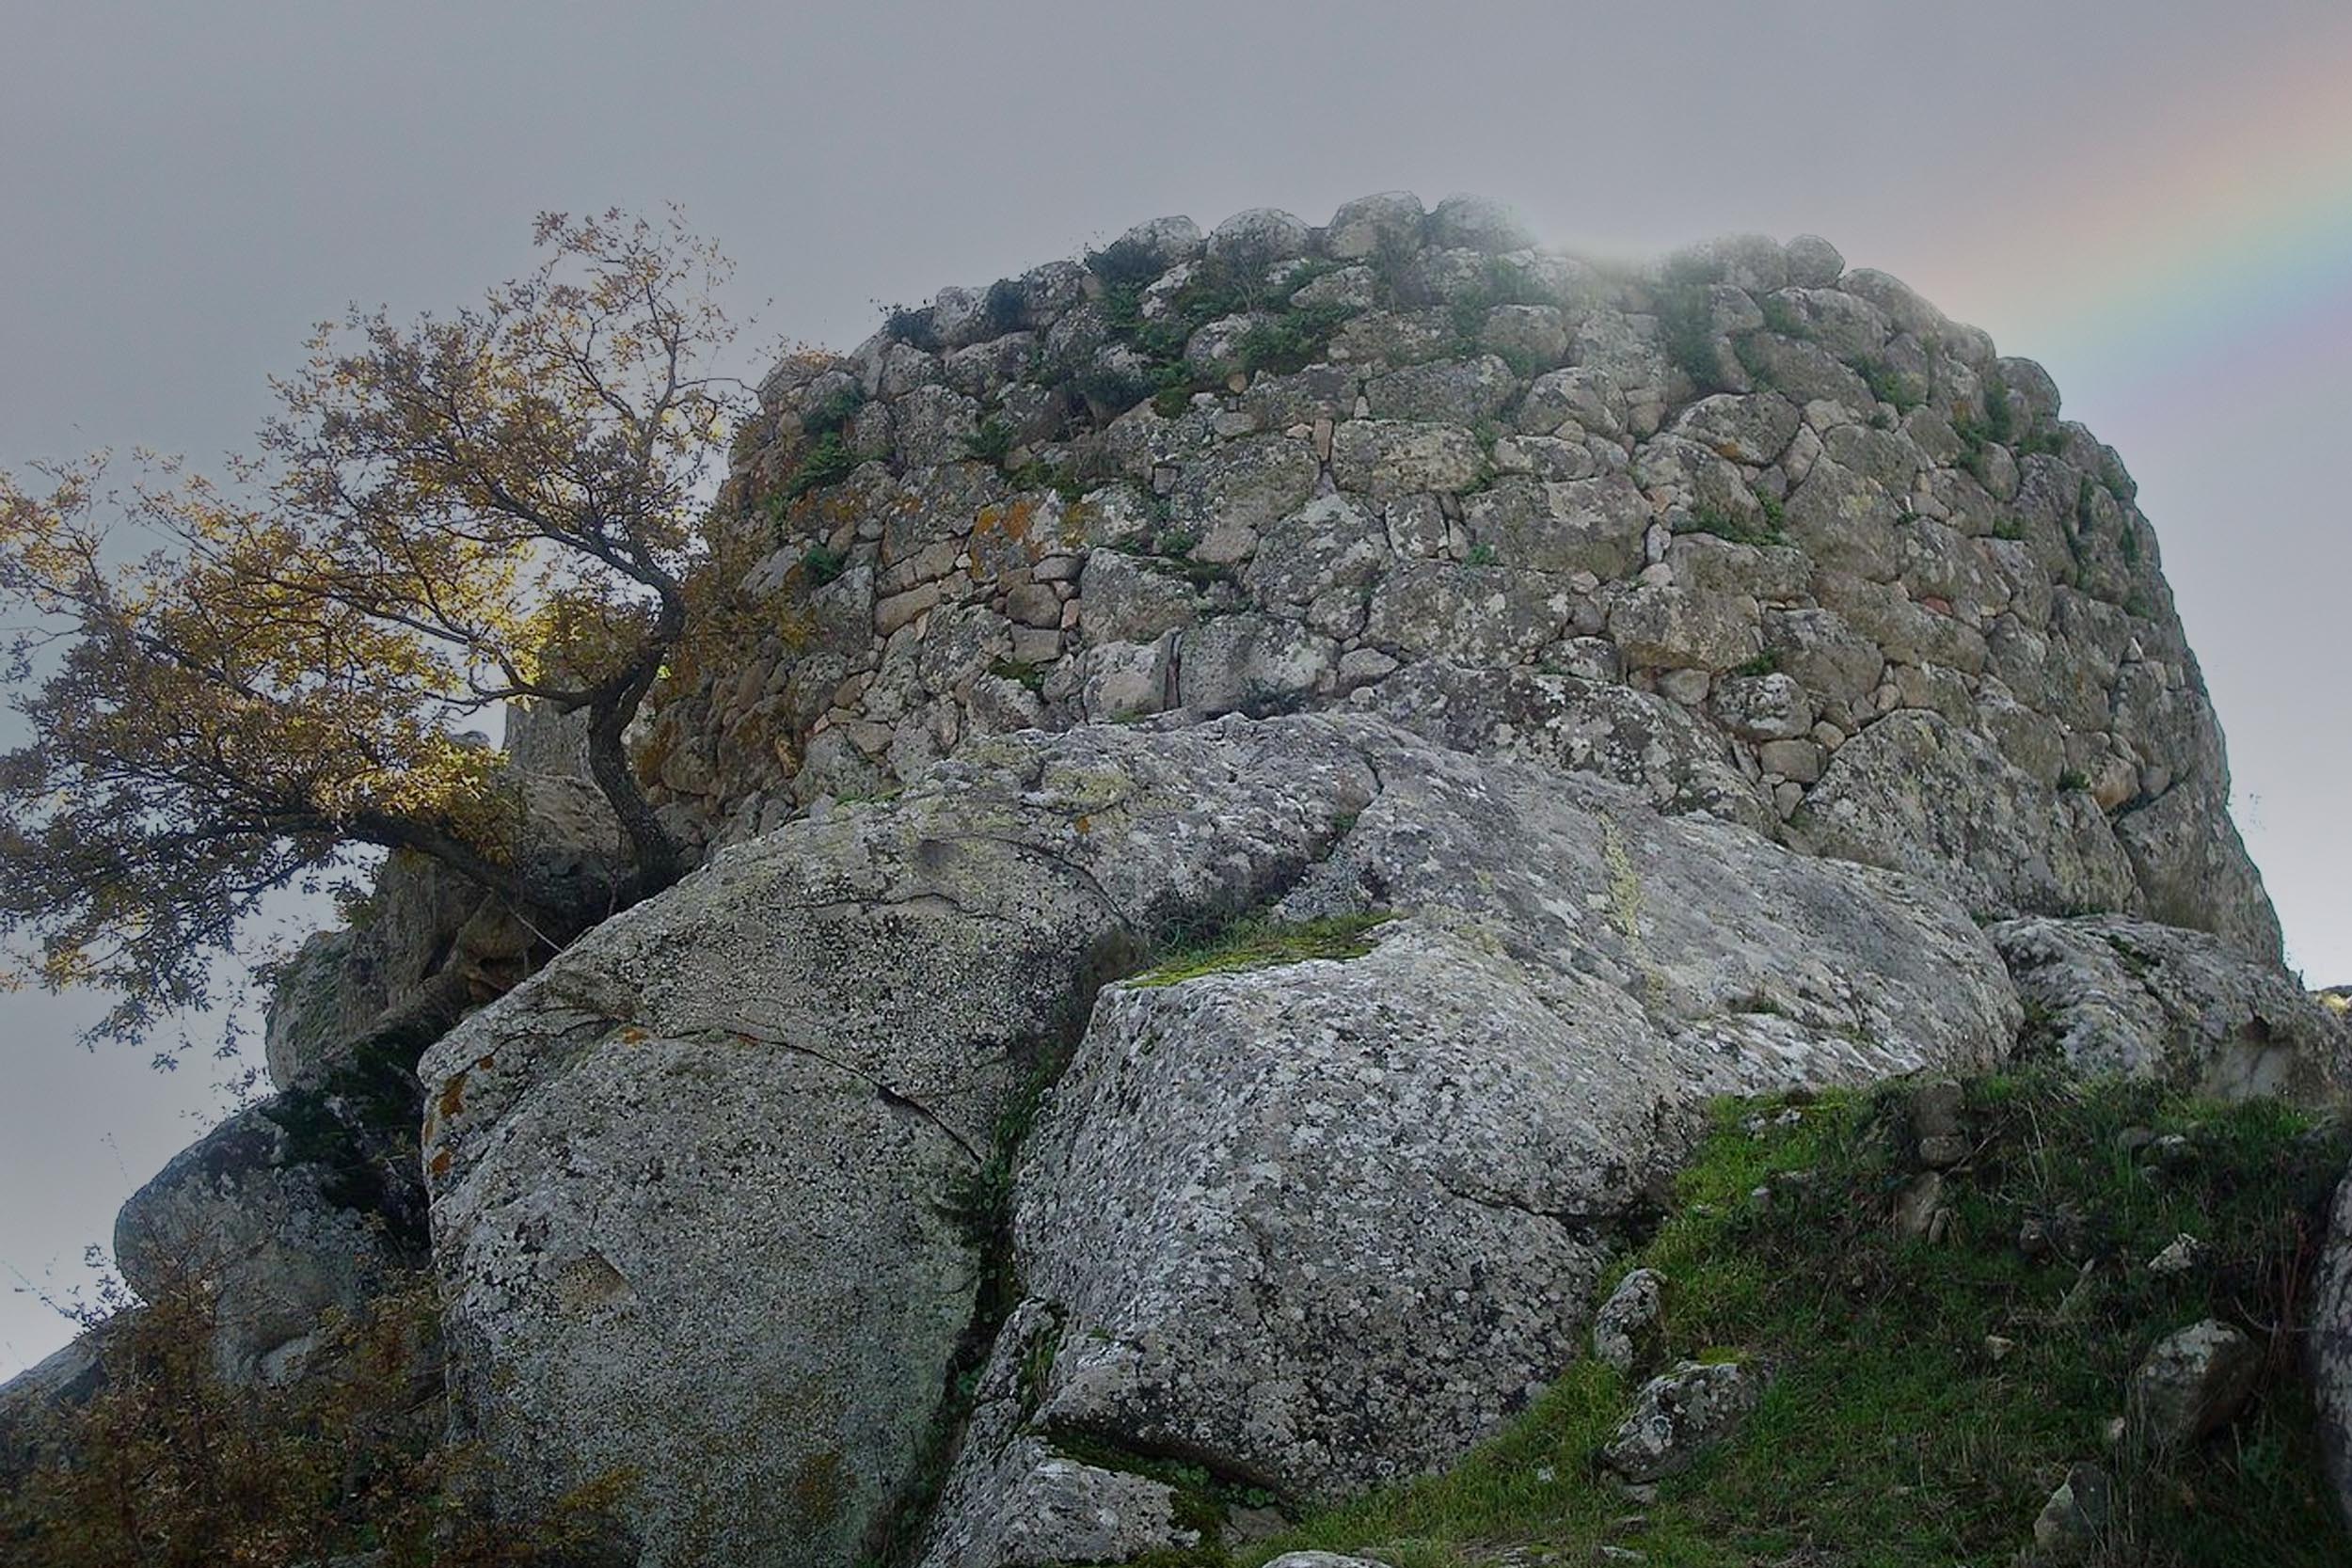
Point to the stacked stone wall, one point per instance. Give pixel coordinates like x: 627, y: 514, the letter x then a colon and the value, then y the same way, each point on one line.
x: 1769, y: 537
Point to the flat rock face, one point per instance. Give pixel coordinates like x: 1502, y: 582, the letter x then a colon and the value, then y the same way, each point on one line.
x: 1321, y: 1226
x: 1667, y: 484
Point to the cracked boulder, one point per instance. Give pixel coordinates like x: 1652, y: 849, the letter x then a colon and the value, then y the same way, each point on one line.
x: 1316, y: 1226
x: 701, y: 1187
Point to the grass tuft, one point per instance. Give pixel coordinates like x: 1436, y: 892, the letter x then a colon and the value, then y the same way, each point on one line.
x: 1265, y: 943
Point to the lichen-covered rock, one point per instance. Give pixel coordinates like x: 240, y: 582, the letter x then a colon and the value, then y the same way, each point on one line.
x: 1678, y: 1415
x: 305, y: 1020
x: 1361, y: 227
x: 1579, y: 724
x: 1625, y: 1323
x: 2193, y: 1382
x: 2112, y: 994
x: 276, y: 1216
x: 1914, y: 791
x: 1323, y: 1225
x: 1016, y: 1502
x: 1514, y: 473
x: 747, y: 1104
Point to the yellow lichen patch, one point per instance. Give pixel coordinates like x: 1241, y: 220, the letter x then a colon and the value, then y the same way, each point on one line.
x: 814, y: 1496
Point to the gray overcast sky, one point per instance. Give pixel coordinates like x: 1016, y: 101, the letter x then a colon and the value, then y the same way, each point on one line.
x: 2152, y: 196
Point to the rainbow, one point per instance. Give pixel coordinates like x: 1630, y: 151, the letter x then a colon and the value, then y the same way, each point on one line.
x: 2178, y: 242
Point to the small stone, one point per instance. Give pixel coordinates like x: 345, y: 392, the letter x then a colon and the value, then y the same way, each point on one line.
x: 1918, y: 1203
x: 2181, y: 1255
x: 1628, y: 1320
x: 1036, y: 645
x: 1935, y: 1125
x: 901, y: 609
x: 1033, y: 604
x: 2075, y: 1518
x: 1687, y: 686
x: 2193, y: 1383
x: 1680, y: 1413
x: 1998, y: 1349
x: 1798, y: 761
x: 1225, y: 543
x: 1363, y: 666
x: 1363, y: 227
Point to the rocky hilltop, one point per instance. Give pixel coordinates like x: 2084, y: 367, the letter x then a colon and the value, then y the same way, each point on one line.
x: 1289, y: 767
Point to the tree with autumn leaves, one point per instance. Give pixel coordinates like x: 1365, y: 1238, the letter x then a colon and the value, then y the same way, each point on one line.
x: 230, y: 684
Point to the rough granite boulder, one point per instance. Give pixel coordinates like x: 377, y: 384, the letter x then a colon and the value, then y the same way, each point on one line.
x: 724, y: 1064
x: 278, y: 1217
x: 2110, y: 994
x: 806, y: 1047
x: 1324, y: 1224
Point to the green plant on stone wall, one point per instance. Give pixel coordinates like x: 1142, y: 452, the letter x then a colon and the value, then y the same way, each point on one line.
x: 827, y: 460
x: 990, y: 442
x: 822, y: 563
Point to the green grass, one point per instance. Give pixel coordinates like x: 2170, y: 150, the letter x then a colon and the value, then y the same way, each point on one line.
x: 1890, y: 1435
x: 1264, y: 944
x: 822, y: 563
x: 827, y: 461
x: 1723, y: 525
x: 1020, y: 672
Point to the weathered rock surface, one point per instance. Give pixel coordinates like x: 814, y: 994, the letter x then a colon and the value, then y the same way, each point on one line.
x: 1623, y: 1324
x: 1475, y: 1105
x: 808, y: 1043
x: 2193, y: 1383
x: 276, y: 1224
x: 2115, y: 996
x: 1421, y: 1154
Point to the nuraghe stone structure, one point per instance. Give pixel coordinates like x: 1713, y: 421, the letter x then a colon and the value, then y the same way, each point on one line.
x: 1716, y: 676
x: 1759, y: 535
